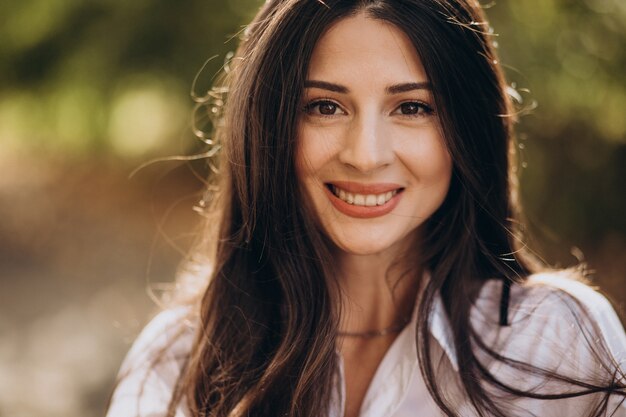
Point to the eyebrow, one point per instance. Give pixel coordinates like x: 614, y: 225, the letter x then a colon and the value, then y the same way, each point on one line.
x: 392, y: 89
x: 326, y: 86
x: 404, y: 87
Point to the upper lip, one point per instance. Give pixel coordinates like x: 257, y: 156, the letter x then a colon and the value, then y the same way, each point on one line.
x: 360, y: 188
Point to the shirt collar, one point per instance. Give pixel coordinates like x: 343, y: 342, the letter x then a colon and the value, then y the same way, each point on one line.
x: 399, y: 366
x: 440, y: 328
x: 397, y: 371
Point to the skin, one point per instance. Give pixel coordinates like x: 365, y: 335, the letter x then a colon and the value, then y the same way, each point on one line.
x: 368, y: 119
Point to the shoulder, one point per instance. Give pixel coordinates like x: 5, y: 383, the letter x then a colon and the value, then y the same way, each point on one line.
x: 563, y: 336
x: 547, y: 298
x: 567, y: 286
x: 167, y: 333
x: 556, y: 322
x: 153, y: 364
x: 562, y: 303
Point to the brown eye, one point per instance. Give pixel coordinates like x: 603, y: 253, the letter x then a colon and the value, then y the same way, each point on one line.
x: 410, y: 108
x: 327, y: 108
x: 324, y: 108
x: 414, y: 108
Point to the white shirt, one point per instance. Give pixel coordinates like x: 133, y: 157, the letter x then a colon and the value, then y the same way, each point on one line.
x: 544, y: 330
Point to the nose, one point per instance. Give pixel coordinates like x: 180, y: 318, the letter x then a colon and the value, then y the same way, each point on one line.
x: 366, y: 145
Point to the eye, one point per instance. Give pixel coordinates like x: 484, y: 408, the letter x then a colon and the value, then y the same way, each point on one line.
x: 323, y: 108
x: 414, y: 108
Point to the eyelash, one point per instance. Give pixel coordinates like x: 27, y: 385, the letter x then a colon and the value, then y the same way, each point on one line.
x: 423, y: 109
x: 312, y: 105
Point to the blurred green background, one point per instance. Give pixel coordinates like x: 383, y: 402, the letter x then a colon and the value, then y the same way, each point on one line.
x: 90, y: 90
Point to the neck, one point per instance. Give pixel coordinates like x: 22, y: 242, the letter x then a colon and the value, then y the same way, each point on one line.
x: 378, y: 290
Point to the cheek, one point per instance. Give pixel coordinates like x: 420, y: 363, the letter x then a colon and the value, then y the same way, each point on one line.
x: 439, y: 168
x: 428, y: 159
x: 302, y: 160
x: 314, y: 152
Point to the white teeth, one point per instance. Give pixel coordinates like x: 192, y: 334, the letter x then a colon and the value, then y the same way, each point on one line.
x: 368, y: 200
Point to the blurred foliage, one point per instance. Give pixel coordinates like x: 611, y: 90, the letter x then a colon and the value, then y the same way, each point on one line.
x: 107, y: 75
x: 571, y: 56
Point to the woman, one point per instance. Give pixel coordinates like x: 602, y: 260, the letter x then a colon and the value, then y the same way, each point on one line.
x: 362, y: 242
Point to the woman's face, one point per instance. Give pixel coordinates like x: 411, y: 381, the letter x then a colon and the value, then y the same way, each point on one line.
x: 370, y: 153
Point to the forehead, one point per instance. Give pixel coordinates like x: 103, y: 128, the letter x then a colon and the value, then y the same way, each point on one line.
x: 359, y: 45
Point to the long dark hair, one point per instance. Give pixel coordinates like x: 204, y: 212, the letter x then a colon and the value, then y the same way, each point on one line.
x: 268, y: 316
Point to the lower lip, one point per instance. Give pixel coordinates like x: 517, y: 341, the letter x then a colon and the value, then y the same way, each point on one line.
x: 363, y: 212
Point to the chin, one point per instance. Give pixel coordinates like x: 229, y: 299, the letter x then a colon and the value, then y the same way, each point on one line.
x: 360, y: 249
x: 371, y: 245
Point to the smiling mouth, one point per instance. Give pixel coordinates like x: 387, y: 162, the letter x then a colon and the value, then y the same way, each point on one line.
x: 363, y: 200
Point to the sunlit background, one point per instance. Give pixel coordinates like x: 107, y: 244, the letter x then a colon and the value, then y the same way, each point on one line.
x: 90, y: 90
